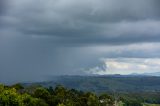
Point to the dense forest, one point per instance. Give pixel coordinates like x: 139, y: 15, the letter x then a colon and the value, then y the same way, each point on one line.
x: 36, y: 95
x: 102, y: 84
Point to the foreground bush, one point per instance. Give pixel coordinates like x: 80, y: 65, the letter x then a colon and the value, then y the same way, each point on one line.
x: 17, y: 95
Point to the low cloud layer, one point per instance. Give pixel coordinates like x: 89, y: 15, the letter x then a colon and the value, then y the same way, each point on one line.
x: 55, y: 37
x: 127, y: 66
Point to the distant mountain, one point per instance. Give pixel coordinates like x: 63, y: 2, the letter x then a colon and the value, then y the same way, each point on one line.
x: 152, y: 74
x: 146, y: 74
x: 106, y: 83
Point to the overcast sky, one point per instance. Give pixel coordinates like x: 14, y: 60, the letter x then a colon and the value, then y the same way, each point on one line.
x: 40, y: 38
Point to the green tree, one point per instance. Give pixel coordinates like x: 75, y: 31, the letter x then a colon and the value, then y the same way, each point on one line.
x: 60, y: 94
x: 132, y: 103
x: 9, y: 97
x: 41, y: 93
x: 1, y: 88
x: 106, y: 100
x: 17, y: 86
x: 92, y: 99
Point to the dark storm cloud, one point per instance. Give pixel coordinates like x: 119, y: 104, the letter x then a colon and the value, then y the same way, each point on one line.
x: 2, y: 6
x: 86, y: 22
x: 50, y: 37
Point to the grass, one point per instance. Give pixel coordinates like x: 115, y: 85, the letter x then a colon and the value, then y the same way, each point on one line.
x: 151, y: 104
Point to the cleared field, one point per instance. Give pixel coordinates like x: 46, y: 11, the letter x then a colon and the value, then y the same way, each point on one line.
x: 151, y: 105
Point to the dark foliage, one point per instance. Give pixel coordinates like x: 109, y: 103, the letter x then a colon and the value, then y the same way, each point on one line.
x: 34, y: 95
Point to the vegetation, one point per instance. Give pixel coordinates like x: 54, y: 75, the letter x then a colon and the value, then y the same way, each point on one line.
x: 18, y: 95
x: 102, y: 84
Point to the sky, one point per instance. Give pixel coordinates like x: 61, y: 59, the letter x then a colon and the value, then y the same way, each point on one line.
x: 40, y: 38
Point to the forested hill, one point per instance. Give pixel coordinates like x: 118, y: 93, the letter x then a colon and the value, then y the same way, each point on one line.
x: 100, y: 84
x: 84, y: 91
x: 17, y: 95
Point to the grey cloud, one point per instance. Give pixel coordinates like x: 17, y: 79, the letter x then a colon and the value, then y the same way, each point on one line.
x: 127, y: 66
x: 2, y: 6
x: 86, y: 22
x: 55, y: 37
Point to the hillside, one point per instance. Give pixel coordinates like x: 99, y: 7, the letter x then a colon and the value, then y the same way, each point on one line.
x: 100, y: 84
